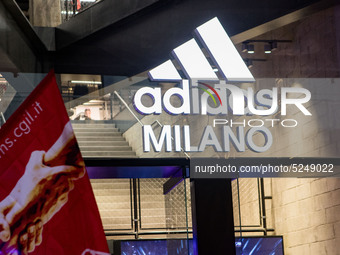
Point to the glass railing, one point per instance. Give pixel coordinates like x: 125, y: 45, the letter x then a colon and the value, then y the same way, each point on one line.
x: 301, y: 122
x: 299, y: 114
x: 104, y: 100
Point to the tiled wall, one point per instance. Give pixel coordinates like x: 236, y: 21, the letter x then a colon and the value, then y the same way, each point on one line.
x: 307, y: 213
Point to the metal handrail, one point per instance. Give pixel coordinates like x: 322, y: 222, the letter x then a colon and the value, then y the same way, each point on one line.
x: 3, y: 117
x: 127, y: 106
x: 160, y: 124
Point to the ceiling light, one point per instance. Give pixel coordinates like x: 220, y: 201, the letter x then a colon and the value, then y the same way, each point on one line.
x: 91, y: 104
x: 269, y: 47
x: 87, y: 82
x: 249, y: 48
x: 69, y: 12
x: 96, y: 101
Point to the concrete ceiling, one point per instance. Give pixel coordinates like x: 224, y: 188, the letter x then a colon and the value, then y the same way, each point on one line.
x: 144, y: 39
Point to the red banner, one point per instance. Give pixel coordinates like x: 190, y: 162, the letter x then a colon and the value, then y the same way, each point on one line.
x: 78, y: 5
x: 47, y: 203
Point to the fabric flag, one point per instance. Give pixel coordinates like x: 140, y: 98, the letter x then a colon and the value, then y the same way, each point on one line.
x: 47, y: 204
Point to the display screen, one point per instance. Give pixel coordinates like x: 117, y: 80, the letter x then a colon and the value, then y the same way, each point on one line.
x: 259, y: 245
x: 155, y: 247
x: 244, y: 246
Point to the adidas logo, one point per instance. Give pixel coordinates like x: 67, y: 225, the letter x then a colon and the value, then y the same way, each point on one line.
x: 196, y: 58
x: 194, y: 63
x: 197, y: 69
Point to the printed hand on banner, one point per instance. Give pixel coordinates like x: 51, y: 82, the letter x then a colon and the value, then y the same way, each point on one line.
x: 27, y: 240
x: 40, y: 193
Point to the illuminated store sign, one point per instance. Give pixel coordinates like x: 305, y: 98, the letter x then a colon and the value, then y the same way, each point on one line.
x: 194, y: 92
x: 236, y: 100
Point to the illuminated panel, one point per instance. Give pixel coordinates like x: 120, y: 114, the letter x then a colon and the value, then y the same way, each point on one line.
x: 193, y: 62
x: 165, y: 72
x: 222, y: 50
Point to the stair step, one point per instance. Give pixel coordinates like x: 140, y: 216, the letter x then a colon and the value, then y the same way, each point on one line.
x: 154, y: 204
x: 96, y: 134
x: 151, y: 192
x: 147, y: 212
x: 153, y: 219
x: 154, y: 225
x: 94, y: 126
x: 111, y: 181
x: 109, y: 157
x: 105, y: 148
x: 116, y: 220
x: 102, y: 154
x: 98, y: 129
x: 116, y: 205
x: 111, y: 192
x: 115, y: 213
x: 101, y: 140
x: 82, y: 143
x: 113, y: 198
x: 110, y: 186
x: 117, y: 226
x: 82, y: 138
x: 124, y: 191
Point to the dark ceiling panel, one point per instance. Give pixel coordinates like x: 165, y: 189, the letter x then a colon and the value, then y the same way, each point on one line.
x: 127, y: 37
x: 145, y: 39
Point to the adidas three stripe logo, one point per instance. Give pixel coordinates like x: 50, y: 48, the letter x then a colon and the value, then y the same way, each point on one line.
x: 194, y: 63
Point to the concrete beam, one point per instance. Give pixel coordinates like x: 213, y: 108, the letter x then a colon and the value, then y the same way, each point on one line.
x: 22, y: 47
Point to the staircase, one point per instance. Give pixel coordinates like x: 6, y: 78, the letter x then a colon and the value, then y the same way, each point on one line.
x: 101, y: 140
x: 114, y: 202
x: 156, y: 212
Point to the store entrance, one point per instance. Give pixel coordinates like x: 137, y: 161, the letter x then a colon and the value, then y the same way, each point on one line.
x: 153, y: 204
